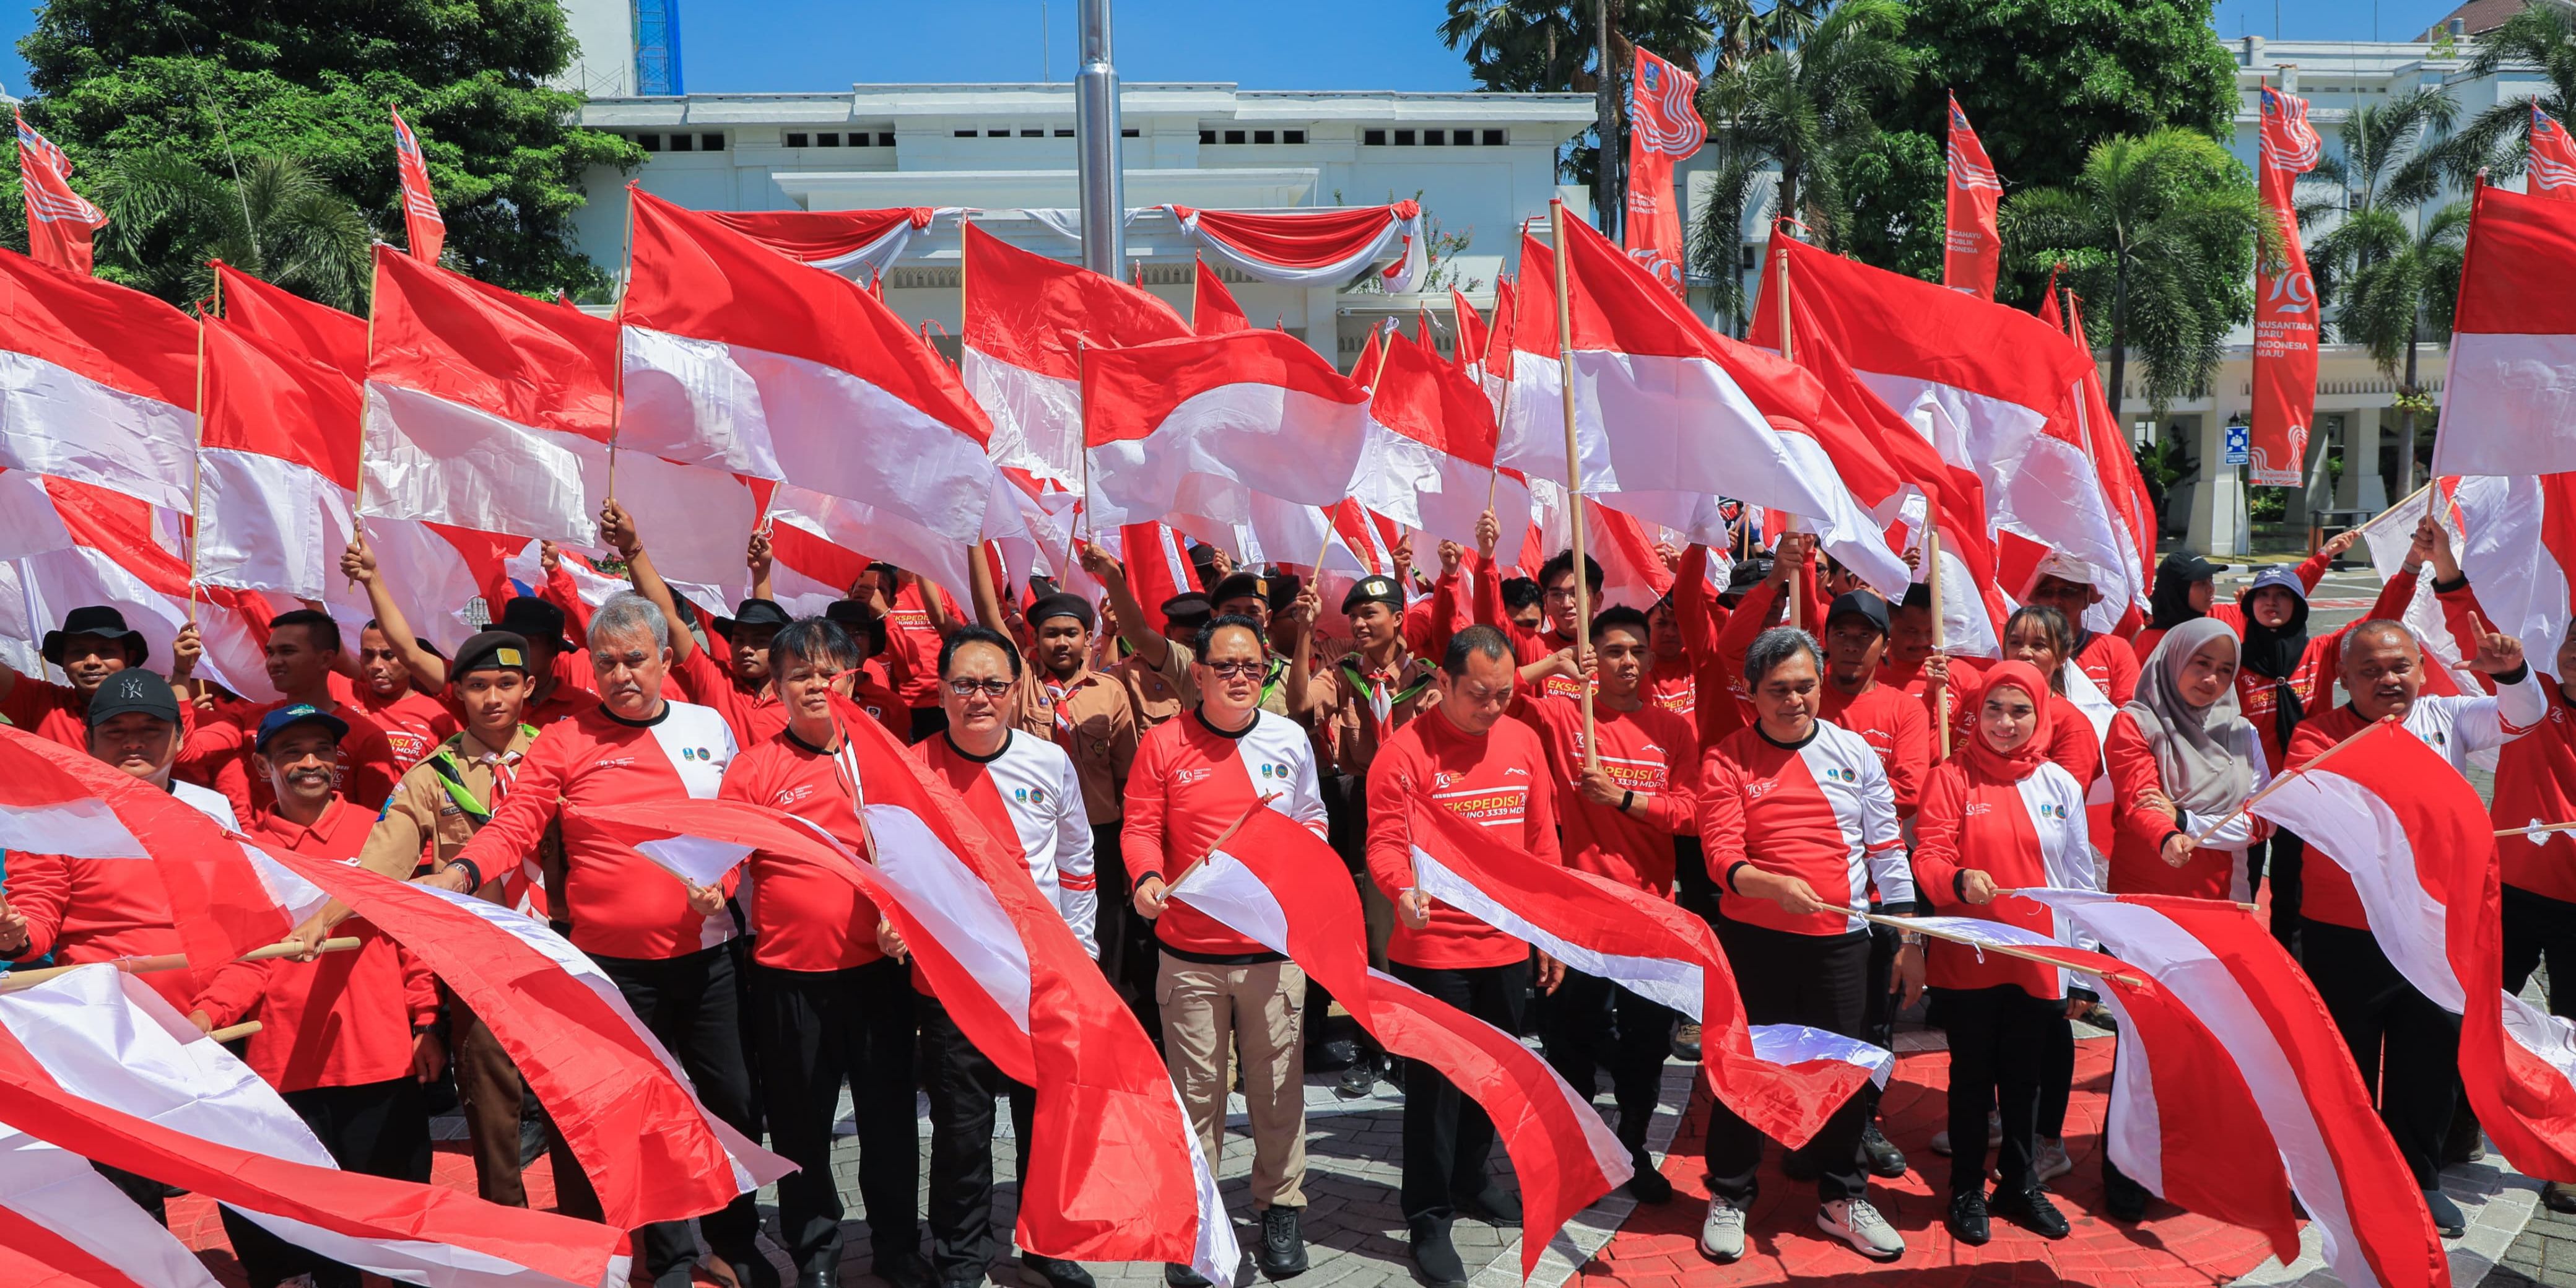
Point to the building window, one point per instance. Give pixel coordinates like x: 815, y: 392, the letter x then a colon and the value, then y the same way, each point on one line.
x: 1234, y: 136
x: 997, y: 134
x: 681, y: 142
x: 649, y: 142
x: 965, y: 134
x: 1033, y: 134
x: 1434, y: 138
x: 1373, y: 138
x: 827, y: 140
x: 710, y: 143
x: 1265, y: 136
x: 885, y: 138
x: 1292, y: 136
x: 1066, y: 134
x: 1463, y: 138
x: 858, y: 138
x: 1404, y: 138
x: 1207, y: 137
x: 800, y: 140
x: 1131, y: 133
x: 1497, y: 138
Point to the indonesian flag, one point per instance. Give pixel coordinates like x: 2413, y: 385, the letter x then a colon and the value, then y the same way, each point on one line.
x: 1364, y: 368
x: 2552, y: 166
x: 60, y: 221
x: 2421, y: 850
x: 1197, y: 426
x: 1672, y: 416
x: 1446, y: 478
x: 1470, y: 351
x: 2011, y: 390
x: 67, y: 1226
x: 2509, y: 401
x: 1157, y: 563
x: 1632, y: 574
x: 2285, y: 300
x: 1664, y: 130
x: 1028, y: 319
x: 1972, y: 248
x: 422, y: 225
x: 2226, y: 970
x: 101, y: 381
x: 739, y: 359
x: 857, y: 244
x: 1261, y: 884
x: 1315, y: 247
x: 1212, y: 307
x: 1784, y: 1079
x: 96, y: 1063
x: 1114, y: 1171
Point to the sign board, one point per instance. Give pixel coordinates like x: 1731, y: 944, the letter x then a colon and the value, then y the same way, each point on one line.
x: 2240, y: 445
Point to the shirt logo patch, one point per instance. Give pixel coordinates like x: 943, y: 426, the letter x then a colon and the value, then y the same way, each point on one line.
x: 791, y: 795
x: 1510, y: 770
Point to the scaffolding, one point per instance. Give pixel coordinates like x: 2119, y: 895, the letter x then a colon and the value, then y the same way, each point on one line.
x: 657, y: 47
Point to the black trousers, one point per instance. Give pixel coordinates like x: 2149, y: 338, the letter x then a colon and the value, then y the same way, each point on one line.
x: 2057, y: 1079
x: 1128, y: 954
x: 1594, y: 1024
x: 2000, y: 1051
x: 1447, y: 1136
x: 1878, y: 1011
x: 1817, y: 980
x: 819, y: 1030
x: 694, y: 1005
x: 2538, y: 928
x: 962, y: 1086
x: 1346, y: 828
x: 1691, y: 886
x: 2278, y: 859
x: 380, y: 1129
x: 2408, y: 1049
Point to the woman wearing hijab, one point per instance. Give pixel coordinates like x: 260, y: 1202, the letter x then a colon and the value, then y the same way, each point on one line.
x: 1998, y: 816
x: 2184, y: 758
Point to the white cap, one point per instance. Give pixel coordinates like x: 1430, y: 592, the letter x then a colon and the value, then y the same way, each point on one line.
x: 2064, y: 567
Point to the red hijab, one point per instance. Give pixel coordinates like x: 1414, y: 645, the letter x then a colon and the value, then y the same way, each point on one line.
x: 2021, y: 761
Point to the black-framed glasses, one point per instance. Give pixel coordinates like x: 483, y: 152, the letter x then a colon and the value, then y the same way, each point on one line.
x: 967, y: 688
x: 1228, y: 670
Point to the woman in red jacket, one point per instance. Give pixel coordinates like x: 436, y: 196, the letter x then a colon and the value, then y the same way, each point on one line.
x: 1998, y: 816
x: 2183, y: 758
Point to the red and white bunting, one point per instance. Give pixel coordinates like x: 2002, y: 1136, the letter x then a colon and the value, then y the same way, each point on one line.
x: 2509, y: 399
x: 1315, y: 248
x: 857, y: 244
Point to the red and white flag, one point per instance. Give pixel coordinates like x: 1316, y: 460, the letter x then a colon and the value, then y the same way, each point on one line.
x: 1212, y: 307
x: 1114, y: 1171
x: 1469, y: 354
x: 2509, y: 400
x: 1157, y: 561
x: 1972, y: 247
x: 1260, y: 885
x: 423, y: 227
x: 2285, y: 300
x: 2420, y: 846
x: 1664, y: 130
x: 65, y: 1225
x: 1315, y: 248
x: 857, y: 244
x: 2227, y: 971
x: 2552, y: 165
x: 1451, y: 480
x: 102, y: 382
x: 98, y: 1064
x: 60, y: 221
x: 1197, y: 426
x: 1028, y: 319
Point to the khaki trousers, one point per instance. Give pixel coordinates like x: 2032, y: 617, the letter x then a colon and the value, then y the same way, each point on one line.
x: 1207, y: 1011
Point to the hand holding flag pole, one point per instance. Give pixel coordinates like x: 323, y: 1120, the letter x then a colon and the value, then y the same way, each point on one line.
x: 1916, y: 925
x: 19, y: 980
x: 1163, y: 895
x: 1573, y: 472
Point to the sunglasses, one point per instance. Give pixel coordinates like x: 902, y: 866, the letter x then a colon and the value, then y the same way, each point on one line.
x: 1228, y: 670
x: 969, y: 688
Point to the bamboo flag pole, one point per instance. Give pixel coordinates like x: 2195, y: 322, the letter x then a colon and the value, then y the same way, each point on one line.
x: 1081, y: 357
x: 1797, y: 592
x: 20, y: 980
x: 625, y: 287
x: 236, y: 1032
x: 2536, y: 829
x: 2001, y: 892
x: 1573, y: 478
x: 2288, y: 774
x: 2003, y: 950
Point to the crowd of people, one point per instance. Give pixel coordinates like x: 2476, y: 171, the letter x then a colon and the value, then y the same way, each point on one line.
x: 1778, y: 755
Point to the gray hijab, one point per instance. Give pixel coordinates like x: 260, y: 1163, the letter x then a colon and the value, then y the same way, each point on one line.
x: 2196, y: 747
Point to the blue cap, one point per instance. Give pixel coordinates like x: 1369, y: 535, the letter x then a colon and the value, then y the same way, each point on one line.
x: 286, y: 717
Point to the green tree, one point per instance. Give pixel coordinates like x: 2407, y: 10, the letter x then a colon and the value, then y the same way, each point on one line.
x: 208, y: 81
x: 1547, y: 46
x: 1898, y: 184
x: 2498, y: 140
x: 2165, y: 227
x: 1807, y: 108
x: 2400, y: 297
x: 2390, y: 162
x: 279, y: 221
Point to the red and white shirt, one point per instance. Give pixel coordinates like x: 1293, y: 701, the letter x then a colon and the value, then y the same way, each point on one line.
x: 1499, y: 781
x: 2029, y: 832
x: 804, y: 918
x: 1028, y: 792
x: 621, y: 903
x: 1189, y: 784
x: 1820, y: 811
x: 1895, y: 725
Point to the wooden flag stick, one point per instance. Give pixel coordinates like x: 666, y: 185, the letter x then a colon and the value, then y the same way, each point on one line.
x: 2000, y: 893
x: 197, y: 461
x: 2285, y: 776
x: 238, y: 1031
x: 1573, y: 482
x: 19, y: 980
x: 2006, y: 950
x: 2537, y: 829
x: 1797, y: 595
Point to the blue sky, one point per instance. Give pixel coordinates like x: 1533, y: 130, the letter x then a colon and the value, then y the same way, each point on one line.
x: 1309, y: 44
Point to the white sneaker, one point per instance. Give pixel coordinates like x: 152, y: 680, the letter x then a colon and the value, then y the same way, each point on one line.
x: 1722, y: 1235
x: 1855, y: 1222
x: 2051, y: 1161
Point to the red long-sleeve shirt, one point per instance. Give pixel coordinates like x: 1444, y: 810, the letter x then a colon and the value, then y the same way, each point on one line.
x: 1527, y: 645
x: 342, y: 1019
x: 754, y: 717
x: 1820, y: 811
x: 98, y: 910
x: 912, y: 647
x: 2024, y: 833
x: 2109, y: 663
x: 1189, y: 784
x: 59, y: 713
x: 2137, y: 847
x: 621, y: 904
x: 1500, y: 780
x: 1649, y: 751
x: 220, y: 755
x: 1894, y: 724
x: 802, y: 917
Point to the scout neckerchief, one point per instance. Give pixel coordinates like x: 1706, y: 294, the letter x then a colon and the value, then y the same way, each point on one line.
x: 1057, y: 695
x: 1278, y: 674
x: 450, y: 769
x: 1381, y: 691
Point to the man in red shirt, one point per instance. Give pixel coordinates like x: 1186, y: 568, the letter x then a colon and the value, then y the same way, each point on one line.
x: 828, y: 1007
x: 1913, y: 667
x: 866, y: 628
x: 2066, y: 584
x: 1466, y: 758
x: 303, y: 656
x: 738, y: 687
x: 1556, y: 602
x: 550, y: 696
x: 918, y: 619
x: 413, y: 721
x: 92, y: 645
x: 347, y: 1039
x: 1193, y: 779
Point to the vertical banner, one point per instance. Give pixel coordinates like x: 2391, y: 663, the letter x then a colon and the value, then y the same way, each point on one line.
x: 1972, y: 249
x: 423, y: 228
x: 1664, y: 129
x: 2552, y: 171
x: 59, y: 220
x: 2285, y: 301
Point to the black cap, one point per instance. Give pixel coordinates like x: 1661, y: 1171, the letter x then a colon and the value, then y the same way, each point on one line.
x: 1063, y: 605
x: 754, y: 612
x: 489, y: 651
x: 287, y: 717
x: 1282, y: 588
x: 103, y: 622
x: 860, y: 619
x: 2190, y: 565
x: 1918, y: 595
x: 533, y: 619
x: 1242, y: 585
x: 133, y: 689
x: 1185, y: 613
x: 1747, y: 573
x: 1858, y: 603
x: 1373, y: 590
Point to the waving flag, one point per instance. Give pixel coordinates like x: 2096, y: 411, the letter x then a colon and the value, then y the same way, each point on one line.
x: 1212, y: 307
x: 1259, y: 886
x: 1664, y: 130
x: 2552, y: 167
x: 422, y: 224
x: 65, y: 1225
x: 1196, y: 426
x: 2285, y: 300
x: 1028, y: 318
x: 2509, y: 401
x: 1972, y: 247
x: 101, y: 381
x: 1315, y: 248
x: 2391, y: 811
x: 1446, y: 479
x: 857, y: 244
x: 60, y: 221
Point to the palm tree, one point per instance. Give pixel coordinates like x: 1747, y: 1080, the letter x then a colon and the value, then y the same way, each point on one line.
x: 278, y: 219
x: 1803, y: 107
x: 2392, y: 160
x: 1543, y: 46
x: 2406, y: 289
x: 2498, y: 141
x: 1717, y: 236
x: 2165, y: 225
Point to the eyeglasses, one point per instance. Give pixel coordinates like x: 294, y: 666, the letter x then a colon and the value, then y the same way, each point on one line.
x: 1228, y: 670
x: 989, y: 688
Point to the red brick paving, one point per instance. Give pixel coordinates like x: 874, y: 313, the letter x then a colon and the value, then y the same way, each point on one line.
x: 1658, y: 1247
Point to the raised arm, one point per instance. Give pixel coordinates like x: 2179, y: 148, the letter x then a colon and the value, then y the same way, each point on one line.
x: 617, y: 531
x: 757, y: 557
x: 1142, y: 639
x: 428, y: 670
x: 1302, y: 698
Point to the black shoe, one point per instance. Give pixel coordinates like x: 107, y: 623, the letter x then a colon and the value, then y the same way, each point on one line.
x: 1648, y: 1185
x: 2123, y: 1199
x: 1492, y: 1205
x: 1283, y: 1243
x: 1435, y: 1259
x: 1339, y: 1053
x: 818, y: 1277
x: 1057, y: 1273
x: 1879, y: 1155
x: 2558, y: 1196
x: 905, y: 1268
x: 2465, y: 1143
x: 2447, y: 1218
x: 751, y: 1270
x: 2032, y: 1211
x: 1967, y: 1220
x: 1176, y: 1275
x: 1358, y: 1082
x: 1686, y: 1042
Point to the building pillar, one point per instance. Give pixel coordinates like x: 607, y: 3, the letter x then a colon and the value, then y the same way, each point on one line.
x: 2360, y: 486
x: 1323, y: 324
x: 2218, y: 525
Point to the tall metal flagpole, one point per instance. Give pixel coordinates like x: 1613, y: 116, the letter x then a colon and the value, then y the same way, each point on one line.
x: 1573, y: 478
x: 1095, y: 120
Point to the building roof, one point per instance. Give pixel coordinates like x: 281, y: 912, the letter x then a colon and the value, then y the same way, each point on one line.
x: 2478, y: 17
x: 1006, y: 100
